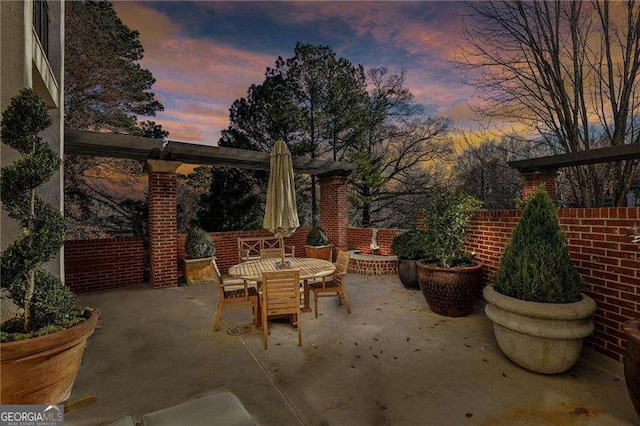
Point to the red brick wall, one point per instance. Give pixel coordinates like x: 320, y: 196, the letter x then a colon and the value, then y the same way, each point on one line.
x: 92, y: 265
x: 227, y: 245
x: 360, y: 239
x: 602, y: 254
x: 163, y: 223
x: 532, y: 181
x: 334, y: 210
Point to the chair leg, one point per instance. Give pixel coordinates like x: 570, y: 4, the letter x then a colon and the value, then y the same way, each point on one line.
x: 265, y: 330
x: 299, y: 330
x: 255, y: 312
x: 346, y: 299
x: 218, y: 315
x: 315, y: 300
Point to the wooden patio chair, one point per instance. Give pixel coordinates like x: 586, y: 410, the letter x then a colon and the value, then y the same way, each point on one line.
x: 280, y: 296
x: 271, y: 253
x: 234, y: 293
x: 335, y: 287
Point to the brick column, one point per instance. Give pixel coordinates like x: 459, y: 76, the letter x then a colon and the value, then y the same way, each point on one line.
x: 163, y: 223
x: 334, y: 210
x: 533, y: 180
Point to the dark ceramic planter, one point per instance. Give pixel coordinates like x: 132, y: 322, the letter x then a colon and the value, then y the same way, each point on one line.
x: 450, y: 291
x: 408, y: 273
x: 632, y: 362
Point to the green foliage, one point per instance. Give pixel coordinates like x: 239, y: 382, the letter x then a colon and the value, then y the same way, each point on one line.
x: 316, y: 237
x: 232, y: 202
x: 105, y: 86
x: 199, y: 244
x: 535, y: 265
x: 52, y: 301
x: 446, y: 219
x: 12, y: 330
x: 410, y: 244
x: 44, y: 299
x: 312, y: 100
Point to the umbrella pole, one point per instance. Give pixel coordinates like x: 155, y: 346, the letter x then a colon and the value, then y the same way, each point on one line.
x: 282, y: 251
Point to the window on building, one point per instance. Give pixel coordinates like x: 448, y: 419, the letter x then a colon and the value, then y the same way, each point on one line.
x: 41, y: 23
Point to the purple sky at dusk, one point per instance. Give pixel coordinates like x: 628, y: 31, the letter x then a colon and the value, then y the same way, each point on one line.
x: 205, y: 55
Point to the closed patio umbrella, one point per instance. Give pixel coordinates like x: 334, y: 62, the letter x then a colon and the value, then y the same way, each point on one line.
x: 281, y: 213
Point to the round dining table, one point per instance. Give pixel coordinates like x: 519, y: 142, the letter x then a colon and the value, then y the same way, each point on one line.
x: 309, y: 269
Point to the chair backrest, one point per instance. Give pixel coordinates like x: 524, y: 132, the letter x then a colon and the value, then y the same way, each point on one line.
x: 217, y: 279
x: 281, y: 291
x: 271, y: 253
x: 249, y: 247
x: 342, y: 262
x: 217, y: 276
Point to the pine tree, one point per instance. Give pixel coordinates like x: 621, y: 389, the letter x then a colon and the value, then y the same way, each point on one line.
x: 232, y: 204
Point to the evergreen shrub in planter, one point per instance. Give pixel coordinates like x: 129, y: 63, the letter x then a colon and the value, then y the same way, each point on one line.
x: 198, y: 266
x: 42, y: 347
x: 539, y: 314
x: 318, y: 246
x: 409, y: 247
x: 449, y: 276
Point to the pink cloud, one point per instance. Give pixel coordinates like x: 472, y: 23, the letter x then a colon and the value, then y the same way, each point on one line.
x: 198, y: 79
x: 210, y: 74
x: 195, y: 123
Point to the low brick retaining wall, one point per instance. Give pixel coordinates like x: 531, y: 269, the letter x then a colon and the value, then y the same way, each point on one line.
x: 93, y: 265
x: 369, y: 264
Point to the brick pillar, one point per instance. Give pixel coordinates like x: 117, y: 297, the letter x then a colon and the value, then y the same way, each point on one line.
x: 334, y: 210
x: 533, y: 180
x: 163, y: 223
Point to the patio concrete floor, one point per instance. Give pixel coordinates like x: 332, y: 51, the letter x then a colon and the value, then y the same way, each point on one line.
x: 391, y: 361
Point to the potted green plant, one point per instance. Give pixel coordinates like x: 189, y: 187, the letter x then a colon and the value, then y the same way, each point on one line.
x: 198, y: 267
x: 538, y: 311
x: 42, y: 345
x: 318, y: 246
x: 448, y: 275
x: 409, y: 246
x: 632, y: 354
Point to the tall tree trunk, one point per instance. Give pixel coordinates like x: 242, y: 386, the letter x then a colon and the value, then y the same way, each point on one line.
x: 366, y: 207
x: 314, y: 203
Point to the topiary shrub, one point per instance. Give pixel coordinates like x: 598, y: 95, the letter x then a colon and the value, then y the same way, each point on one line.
x: 316, y: 237
x: 45, y: 304
x: 535, y: 265
x: 446, y: 220
x: 410, y: 244
x: 199, y: 244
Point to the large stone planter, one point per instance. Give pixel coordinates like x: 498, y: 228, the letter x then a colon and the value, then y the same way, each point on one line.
x: 198, y: 271
x: 541, y: 337
x: 42, y: 370
x: 632, y: 362
x: 408, y: 273
x: 450, y: 291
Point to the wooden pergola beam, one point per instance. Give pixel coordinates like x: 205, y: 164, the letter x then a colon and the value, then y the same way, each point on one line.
x: 592, y: 156
x: 112, y: 145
